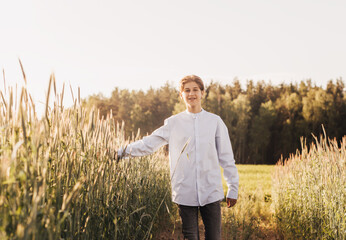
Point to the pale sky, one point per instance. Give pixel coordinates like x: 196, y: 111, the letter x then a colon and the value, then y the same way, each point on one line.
x: 100, y: 45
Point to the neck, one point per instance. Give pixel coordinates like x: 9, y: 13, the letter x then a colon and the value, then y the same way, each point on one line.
x: 194, y: 109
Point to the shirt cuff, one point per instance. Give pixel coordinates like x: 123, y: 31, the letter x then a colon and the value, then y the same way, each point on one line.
x: 232, y: 194
x: 120, y: 152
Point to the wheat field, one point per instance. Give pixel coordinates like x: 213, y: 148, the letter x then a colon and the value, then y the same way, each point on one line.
x: 310, y: 191
x: 60, y: 179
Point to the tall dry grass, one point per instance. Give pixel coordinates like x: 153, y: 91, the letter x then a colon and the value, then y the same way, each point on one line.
x: 310, y: 192
x: 59, y: 177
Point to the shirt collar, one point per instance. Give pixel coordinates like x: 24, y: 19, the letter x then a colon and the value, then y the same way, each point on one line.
x: 194, y: 114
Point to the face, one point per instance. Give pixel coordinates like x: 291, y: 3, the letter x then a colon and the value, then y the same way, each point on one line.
x: 192, y: 96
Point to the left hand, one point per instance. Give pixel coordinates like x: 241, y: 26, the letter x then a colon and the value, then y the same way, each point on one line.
x: 231, y: 202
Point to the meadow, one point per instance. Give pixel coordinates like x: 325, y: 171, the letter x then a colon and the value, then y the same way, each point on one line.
x: 60, y: 179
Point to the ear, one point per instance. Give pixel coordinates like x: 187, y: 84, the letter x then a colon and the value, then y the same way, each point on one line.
x: 202, y: 94
x: 181, y: 95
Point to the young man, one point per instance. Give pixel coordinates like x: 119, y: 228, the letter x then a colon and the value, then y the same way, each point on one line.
x: 198, y: 145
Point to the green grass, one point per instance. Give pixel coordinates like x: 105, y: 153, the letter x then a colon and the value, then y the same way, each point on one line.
x: 256, y: 177
x: 252, y: 216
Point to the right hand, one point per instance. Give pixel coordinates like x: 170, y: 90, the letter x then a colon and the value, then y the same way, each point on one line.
x: 231, y: 202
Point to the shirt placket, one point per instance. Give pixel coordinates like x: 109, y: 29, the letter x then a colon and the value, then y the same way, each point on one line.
x: 197, y: 156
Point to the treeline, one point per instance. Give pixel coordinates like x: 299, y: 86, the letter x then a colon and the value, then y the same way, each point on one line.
x: 264, y: 121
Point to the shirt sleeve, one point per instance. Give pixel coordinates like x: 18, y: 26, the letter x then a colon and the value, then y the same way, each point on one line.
x: 226, y: 159
x: 149, y: 144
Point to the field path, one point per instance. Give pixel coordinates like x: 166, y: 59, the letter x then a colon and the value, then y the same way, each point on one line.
x: 266, y: 232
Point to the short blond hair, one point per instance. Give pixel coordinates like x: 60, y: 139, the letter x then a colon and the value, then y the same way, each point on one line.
x: 191, y: 78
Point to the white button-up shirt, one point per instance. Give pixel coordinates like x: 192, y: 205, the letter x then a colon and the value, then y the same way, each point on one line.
x: 195, y: 172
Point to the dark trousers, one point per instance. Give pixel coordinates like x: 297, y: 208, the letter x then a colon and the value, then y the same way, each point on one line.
x: 211, y: 216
